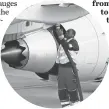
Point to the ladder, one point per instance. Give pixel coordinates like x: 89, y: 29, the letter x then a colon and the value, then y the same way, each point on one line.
x: 72, y: 63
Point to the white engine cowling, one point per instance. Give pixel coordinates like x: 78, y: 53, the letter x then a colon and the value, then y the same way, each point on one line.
x: 42, y: 51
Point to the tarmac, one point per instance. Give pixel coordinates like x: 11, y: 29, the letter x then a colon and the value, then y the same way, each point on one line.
x: 42, y: 93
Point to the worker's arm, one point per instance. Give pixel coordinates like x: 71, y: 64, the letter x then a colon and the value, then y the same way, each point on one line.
x: 60, y: 37
x: 69, y: 45
x: 73, y: 45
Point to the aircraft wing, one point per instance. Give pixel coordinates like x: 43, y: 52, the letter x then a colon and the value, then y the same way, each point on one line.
x: 51, y: 14
x: 48, y: 14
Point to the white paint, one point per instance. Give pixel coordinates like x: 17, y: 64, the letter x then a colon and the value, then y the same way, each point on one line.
x: 8, y: 97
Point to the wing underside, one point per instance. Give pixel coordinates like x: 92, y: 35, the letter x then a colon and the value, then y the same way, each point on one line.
x: 51, y: 14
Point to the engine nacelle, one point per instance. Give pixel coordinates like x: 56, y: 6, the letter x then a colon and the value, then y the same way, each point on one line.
x: 39, y: 52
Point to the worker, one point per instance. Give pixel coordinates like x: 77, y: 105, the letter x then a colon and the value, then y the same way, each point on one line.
x: 67, y: 87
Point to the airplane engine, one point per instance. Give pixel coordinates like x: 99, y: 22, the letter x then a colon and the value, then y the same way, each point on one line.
x: 34, y: 52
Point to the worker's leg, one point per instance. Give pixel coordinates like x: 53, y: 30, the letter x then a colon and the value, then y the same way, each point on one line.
x: 73, y: 96
x: 72, y: 85
x: 63, y: 96
x: 62, y: 91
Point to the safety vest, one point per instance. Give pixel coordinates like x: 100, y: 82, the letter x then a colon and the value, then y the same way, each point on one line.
x: 62, y: 57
